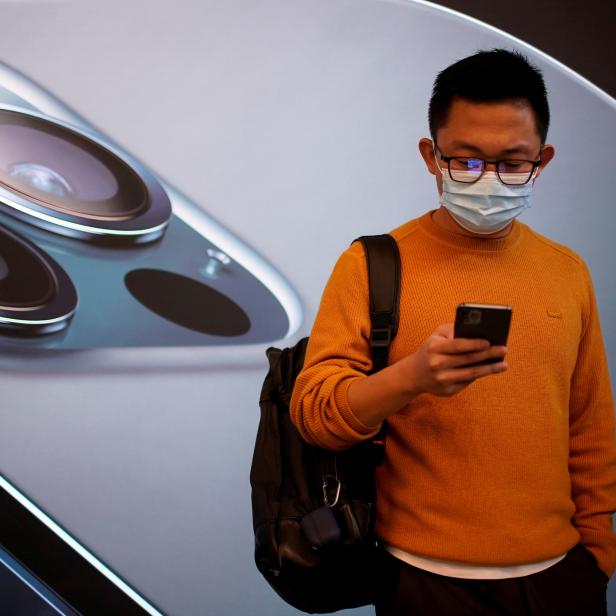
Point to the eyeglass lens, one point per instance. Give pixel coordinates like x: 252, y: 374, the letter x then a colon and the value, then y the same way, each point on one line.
x: 509, y: 171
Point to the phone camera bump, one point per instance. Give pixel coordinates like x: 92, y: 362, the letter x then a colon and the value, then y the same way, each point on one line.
x: 472, y: 317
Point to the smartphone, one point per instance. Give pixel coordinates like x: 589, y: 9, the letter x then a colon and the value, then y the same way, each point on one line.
x: 487, y: 321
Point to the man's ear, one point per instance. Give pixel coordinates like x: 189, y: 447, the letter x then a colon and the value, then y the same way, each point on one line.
x: 547, y: 154
x: 426, y: 149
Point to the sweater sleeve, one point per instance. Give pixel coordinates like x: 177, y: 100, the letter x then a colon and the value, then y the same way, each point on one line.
x: 338, y: 352
x: 592, y: 441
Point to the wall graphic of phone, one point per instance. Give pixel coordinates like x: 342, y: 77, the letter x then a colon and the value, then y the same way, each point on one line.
x: 98, y: 251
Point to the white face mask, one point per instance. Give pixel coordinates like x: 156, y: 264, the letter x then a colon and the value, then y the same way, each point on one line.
x: 487, y: 205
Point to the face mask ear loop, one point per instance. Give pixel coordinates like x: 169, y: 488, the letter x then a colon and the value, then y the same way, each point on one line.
x: 436, y: 161
x: 533, y: 176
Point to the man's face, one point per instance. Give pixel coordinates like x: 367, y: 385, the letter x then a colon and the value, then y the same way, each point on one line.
x: 491, y: 131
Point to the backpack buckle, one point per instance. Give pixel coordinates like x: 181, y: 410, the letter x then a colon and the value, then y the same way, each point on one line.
x: 380, y: 336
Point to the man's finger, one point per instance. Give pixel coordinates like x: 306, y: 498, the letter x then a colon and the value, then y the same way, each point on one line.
x: 453, y: 346
x: 463, y: 359
x: 472, y: 373
x: 445, y: 330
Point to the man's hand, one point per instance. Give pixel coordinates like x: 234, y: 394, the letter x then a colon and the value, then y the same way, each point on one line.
x: 438, y: 367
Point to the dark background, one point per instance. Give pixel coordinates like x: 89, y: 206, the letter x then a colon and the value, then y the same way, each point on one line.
x: 581, y: 35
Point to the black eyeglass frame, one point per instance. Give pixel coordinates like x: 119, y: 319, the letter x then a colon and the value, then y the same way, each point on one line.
x: 447, y: 159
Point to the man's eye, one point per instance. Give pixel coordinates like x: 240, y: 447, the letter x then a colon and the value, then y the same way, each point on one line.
x: 515, y: 166
x: 512, y: 166
x: 467, y: 164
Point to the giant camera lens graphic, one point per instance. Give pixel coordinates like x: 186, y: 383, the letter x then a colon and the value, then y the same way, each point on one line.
x: 36, y: 295
x: 82, y: 218
x: 64, y: 180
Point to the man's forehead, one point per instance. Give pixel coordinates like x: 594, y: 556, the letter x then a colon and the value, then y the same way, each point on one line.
x: 505, y: 127
x: 474, y: 148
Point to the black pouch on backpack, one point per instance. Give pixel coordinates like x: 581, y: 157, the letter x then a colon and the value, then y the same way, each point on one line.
x: 321, y: 528
x: 314, y: 509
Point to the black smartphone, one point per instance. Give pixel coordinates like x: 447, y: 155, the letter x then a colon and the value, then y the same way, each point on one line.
x: 488, y: 321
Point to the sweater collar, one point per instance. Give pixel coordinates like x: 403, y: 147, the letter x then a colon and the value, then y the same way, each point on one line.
x: 470, y: 243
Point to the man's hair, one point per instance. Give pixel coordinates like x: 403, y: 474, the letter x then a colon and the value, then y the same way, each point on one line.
x: 490, y: 76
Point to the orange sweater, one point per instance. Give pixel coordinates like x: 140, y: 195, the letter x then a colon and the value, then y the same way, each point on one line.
x: 518, y: 466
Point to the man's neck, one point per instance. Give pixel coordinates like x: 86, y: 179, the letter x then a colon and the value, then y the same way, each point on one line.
x: 444, y: 219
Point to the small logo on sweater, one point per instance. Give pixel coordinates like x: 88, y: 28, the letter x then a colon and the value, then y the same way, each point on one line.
x: 555, y: 314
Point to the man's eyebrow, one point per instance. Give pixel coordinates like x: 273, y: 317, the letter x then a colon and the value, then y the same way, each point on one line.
x: 523, y: 148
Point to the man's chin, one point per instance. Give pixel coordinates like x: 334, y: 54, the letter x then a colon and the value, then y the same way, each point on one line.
x: 443, y: 217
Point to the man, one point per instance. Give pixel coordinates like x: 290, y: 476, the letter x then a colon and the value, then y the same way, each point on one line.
x: 499, y: 484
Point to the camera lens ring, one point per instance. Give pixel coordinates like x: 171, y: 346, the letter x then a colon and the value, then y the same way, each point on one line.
x: 35, y: 190
x: 472, y: 316
x: 47, y: 304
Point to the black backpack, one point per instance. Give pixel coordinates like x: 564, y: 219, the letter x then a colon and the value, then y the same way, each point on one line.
x: 314, y: 509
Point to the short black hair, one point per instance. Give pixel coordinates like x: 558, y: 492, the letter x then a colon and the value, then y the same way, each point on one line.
x: 490, y: 76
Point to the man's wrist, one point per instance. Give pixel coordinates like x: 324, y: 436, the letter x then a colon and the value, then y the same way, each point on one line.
x: 405, y: 377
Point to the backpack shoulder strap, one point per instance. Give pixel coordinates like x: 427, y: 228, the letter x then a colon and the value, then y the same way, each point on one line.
x: 384, y: 271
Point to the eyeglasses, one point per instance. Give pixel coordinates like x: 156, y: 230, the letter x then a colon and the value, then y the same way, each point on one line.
x: 512, y: 172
